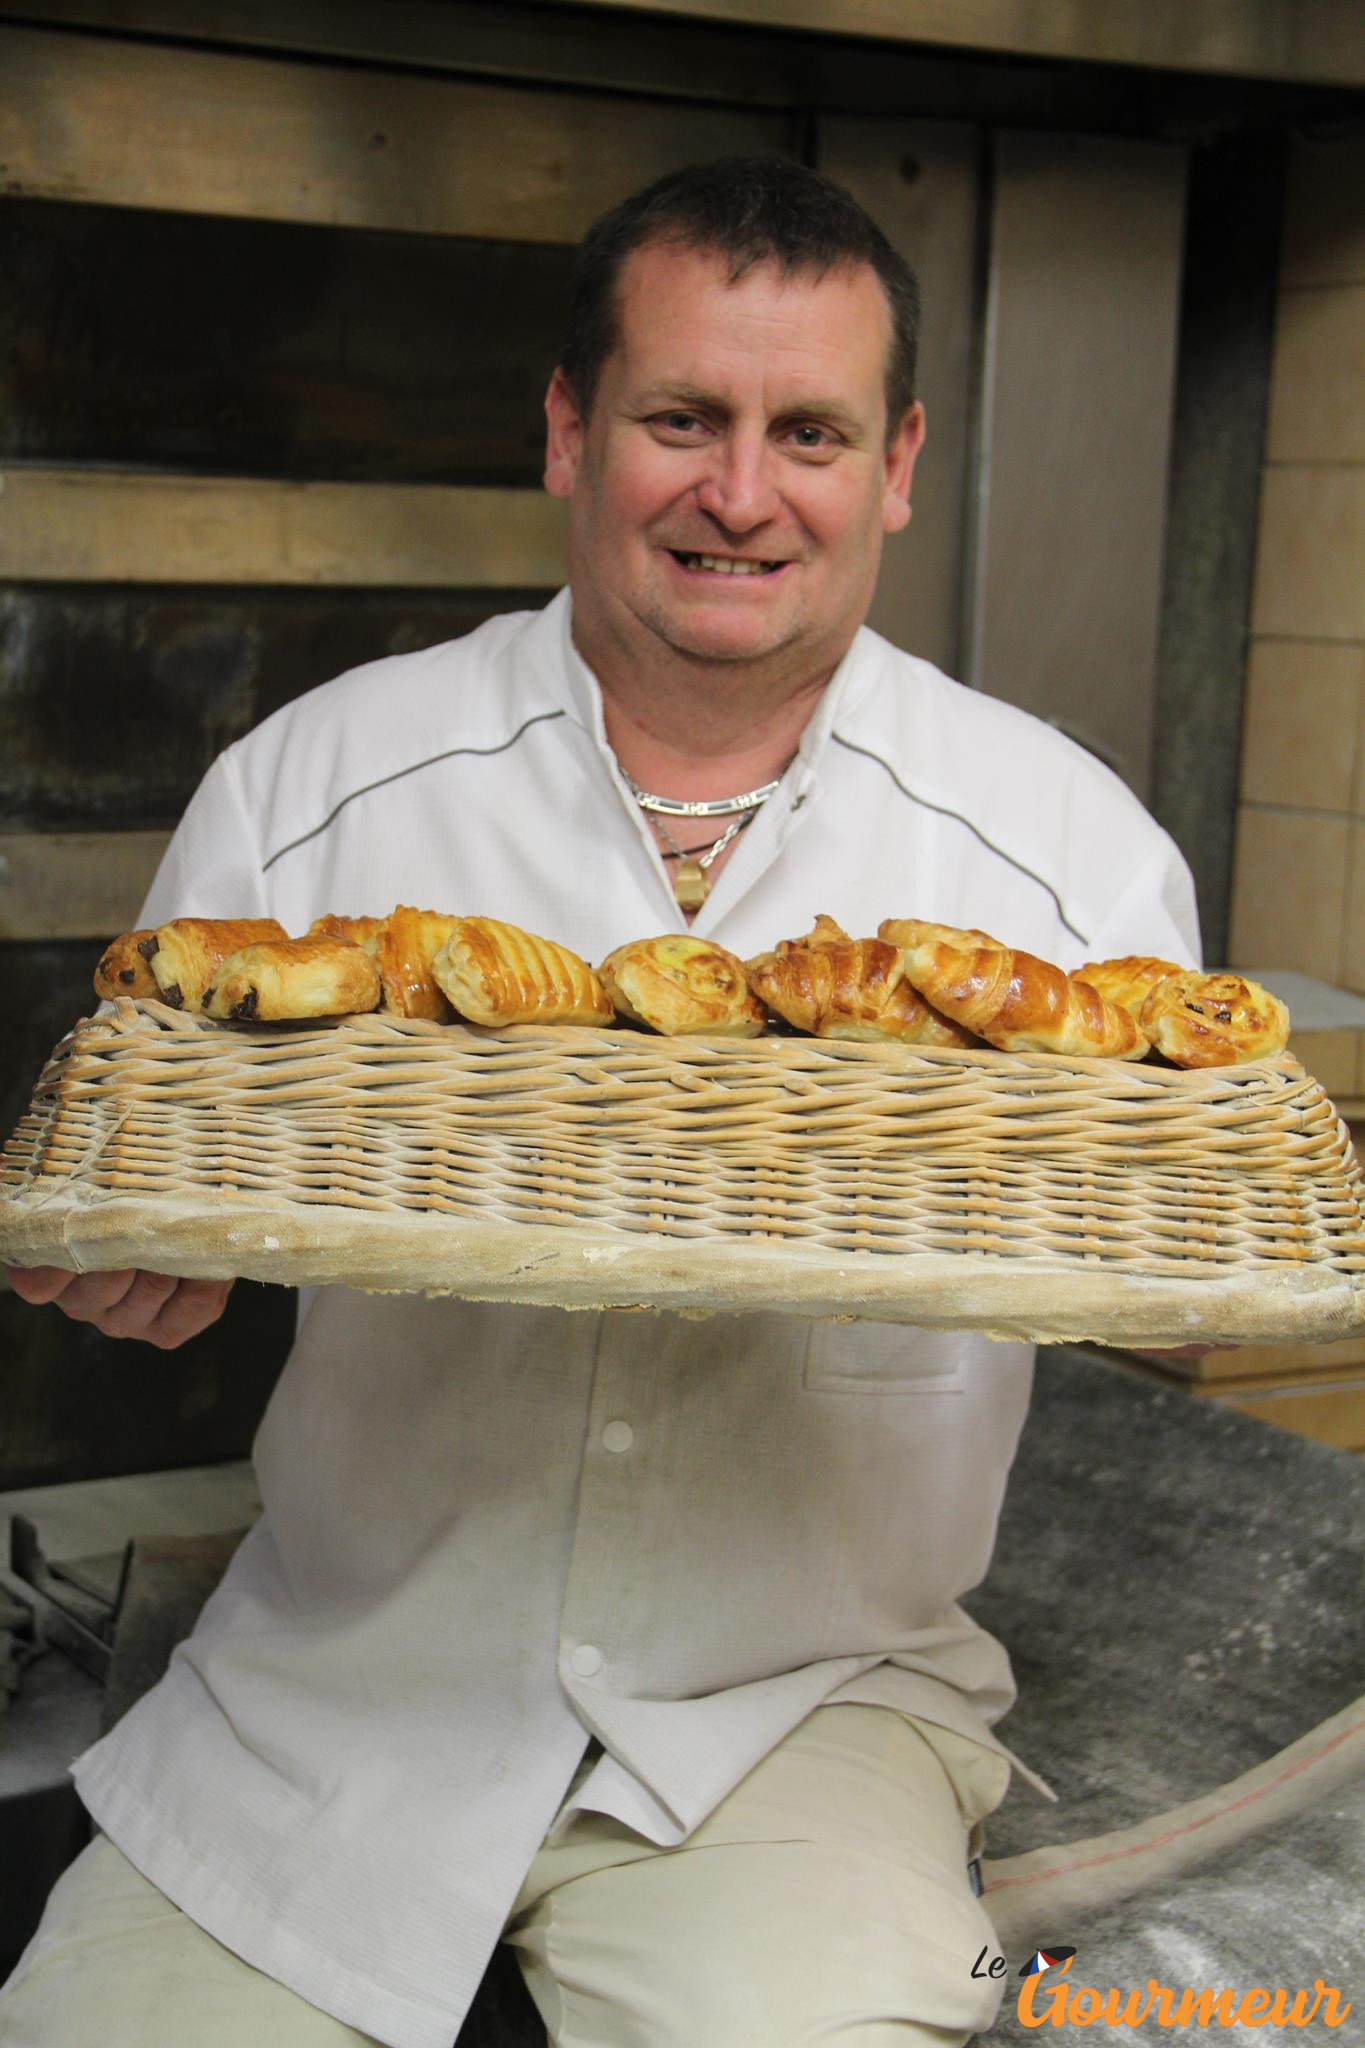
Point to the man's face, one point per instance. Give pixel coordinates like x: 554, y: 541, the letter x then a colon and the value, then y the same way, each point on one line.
x: 732, y: 486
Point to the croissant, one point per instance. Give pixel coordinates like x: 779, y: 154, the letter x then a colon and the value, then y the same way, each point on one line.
x: 1127, y: 982
x: 496, y: 973
x: 284, y: 978
x: 681, y: 985
x: 1020, y: 1003
x: 186, y: 954
x: 1214, y: 1020
x: 917, y: 931
x: 837, y: 987
x: 123, y: 969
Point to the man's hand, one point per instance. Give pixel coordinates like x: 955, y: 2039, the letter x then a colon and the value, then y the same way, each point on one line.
x: 156, y: 1307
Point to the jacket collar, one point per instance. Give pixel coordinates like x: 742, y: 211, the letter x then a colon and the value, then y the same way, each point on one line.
x: 559, y: 661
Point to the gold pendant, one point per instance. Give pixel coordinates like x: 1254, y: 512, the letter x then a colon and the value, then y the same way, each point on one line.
x: 690, y: 885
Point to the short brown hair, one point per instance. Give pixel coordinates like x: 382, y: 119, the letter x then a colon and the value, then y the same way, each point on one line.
x: 746, y: 210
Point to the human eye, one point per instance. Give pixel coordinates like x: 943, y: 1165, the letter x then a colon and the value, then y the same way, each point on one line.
x: 678, y: 424
x: 813, y: 438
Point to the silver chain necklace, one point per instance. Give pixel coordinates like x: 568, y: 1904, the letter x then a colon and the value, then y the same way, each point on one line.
x: 691, y: 883
x: 705, y: 807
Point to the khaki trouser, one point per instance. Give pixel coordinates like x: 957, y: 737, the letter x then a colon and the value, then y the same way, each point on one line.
x: 826, y: 1900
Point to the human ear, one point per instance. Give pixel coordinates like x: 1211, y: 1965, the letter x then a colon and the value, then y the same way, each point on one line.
x: 563, y: 436
x: 906, y: 443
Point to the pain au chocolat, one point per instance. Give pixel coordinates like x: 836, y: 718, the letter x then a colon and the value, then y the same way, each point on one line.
x: 123, y: 968
x: 185, y: 954
x: 280, y: 979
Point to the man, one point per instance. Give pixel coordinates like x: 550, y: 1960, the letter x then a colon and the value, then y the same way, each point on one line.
x: 635, y: 1638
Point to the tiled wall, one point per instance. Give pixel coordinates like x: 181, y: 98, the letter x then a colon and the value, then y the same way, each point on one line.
x: 1299, y: 875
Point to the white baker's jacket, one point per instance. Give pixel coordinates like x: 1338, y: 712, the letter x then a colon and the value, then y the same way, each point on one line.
x: 490, y: 1532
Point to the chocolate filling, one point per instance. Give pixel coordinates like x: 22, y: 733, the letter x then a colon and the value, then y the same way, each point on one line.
x: 173, y: 996
x: 148, y: 946
x: 247, y: 1006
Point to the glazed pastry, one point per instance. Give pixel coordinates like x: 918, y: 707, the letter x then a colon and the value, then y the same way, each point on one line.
x: 1214, y: 1020
x: 682, y: 986
x: 402, y: 946
x: 917, y: 931
x: 497, y: 973
x: 1127, y: 982
x: 833, y: 986
x: 123, y: 969
x: 403, y: 949
x: 185, y: 954
x: 360, y: 929
x: 1020, y: 1003
x: 284, y: 978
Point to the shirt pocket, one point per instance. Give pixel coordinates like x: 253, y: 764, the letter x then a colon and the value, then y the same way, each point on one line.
x: 883, y: 1358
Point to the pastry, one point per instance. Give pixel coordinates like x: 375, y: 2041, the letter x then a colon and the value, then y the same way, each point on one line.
x: 681, y: 986
x: 186, y: 954
x: 283, y: 978
x: 833, y: 986
x: 402, y: 946
x: 1019, y: 1003
x: 497, y: 973
x: 918, y: 931
x: 403, y: 949
x: 123, y: 968
x: 1127, y: 982
x: 1214, y: 1020
x: 360, y: 929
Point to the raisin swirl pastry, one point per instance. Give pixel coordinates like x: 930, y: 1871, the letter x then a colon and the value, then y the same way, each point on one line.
x: 683, y: 987
x: 1214, y: 1020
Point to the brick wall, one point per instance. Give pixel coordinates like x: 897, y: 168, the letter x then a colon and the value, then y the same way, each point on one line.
x: 1298, y: 896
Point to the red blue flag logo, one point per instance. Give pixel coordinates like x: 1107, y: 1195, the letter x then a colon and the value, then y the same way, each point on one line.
x: 1046, y: 1959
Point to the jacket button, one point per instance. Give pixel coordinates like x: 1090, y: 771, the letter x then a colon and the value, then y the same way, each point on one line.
x: 618, y: 1436
x: 585, y: 1660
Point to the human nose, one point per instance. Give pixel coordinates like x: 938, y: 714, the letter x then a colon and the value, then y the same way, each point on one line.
x: 738, y: 490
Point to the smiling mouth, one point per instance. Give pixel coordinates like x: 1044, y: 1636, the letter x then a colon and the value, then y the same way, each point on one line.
x: 728, y: 565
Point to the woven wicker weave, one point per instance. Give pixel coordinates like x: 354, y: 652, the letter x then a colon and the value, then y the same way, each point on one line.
x: 1027, y: 1195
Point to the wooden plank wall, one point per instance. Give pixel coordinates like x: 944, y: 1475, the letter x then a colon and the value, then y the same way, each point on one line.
x: 273, y: 346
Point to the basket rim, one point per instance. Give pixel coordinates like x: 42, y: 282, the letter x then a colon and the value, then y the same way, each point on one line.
x: 564, y: 1267
x: 75, y: 1209
x: 128, y: 1016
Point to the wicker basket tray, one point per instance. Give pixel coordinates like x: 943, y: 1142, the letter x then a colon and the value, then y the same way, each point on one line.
x: 1025, y: 1195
